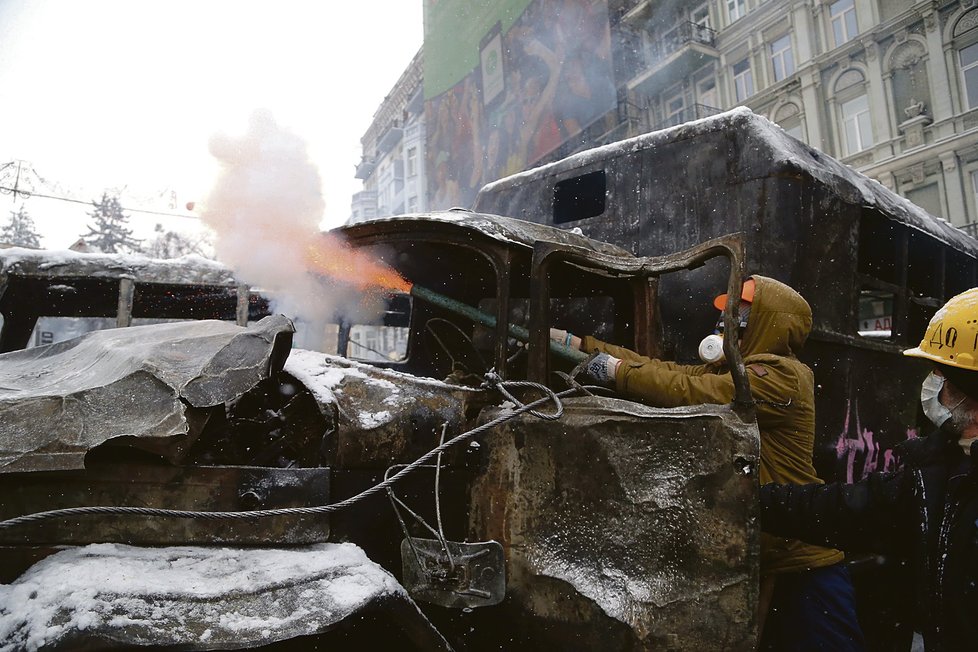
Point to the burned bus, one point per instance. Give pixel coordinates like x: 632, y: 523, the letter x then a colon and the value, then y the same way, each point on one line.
x: 204, y: 485
x: 873, y: 266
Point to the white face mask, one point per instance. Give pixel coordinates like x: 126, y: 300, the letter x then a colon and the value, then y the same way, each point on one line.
x: 930, y: 392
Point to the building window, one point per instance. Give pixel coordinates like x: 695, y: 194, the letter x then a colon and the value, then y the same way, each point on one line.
x: 843, y: 15
x: 675, y: 106
x: 412, y: 162
x: 856, y: 125
x: 743, y: 80
x: 736, y: 9
x: 412, y: 204
x: 969, y: 73
x: 701, y: 16
x: 781, y: 58
x: 706, y: 92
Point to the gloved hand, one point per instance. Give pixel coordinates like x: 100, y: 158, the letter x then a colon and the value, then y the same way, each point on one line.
x: 565, y: 338
x: 602, y: 368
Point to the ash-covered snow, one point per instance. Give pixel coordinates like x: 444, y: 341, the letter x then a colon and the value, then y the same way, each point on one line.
x: 189, y: 597
x: 326, y: 375
x: 323, y: 372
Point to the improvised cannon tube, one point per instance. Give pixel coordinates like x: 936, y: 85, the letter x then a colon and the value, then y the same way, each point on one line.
x: 484, y: 319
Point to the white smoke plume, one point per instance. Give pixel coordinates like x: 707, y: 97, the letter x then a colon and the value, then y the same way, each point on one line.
x: 265, y: 210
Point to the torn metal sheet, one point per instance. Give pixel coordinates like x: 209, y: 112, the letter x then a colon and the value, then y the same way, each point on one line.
x: 193, y: 598
x: 57, y: 402
x: 642, y: 520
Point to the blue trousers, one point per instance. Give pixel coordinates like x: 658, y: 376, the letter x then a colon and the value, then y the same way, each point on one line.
x: 813, y: 610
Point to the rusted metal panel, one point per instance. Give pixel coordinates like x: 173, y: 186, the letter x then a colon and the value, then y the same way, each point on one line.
x: 642, y: 520
x: 226, y: 488
x: 127, y: 289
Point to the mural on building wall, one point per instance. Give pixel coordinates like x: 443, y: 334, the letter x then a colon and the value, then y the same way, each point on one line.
x: 532, y: 76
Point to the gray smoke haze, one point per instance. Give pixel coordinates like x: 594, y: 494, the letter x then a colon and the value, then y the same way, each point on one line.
x: 265, y: 210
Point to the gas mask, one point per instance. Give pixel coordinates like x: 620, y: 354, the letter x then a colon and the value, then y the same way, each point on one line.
x: 940, y: 415
x: 711, y: 347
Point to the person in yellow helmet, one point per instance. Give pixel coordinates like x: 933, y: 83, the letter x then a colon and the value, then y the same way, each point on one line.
x: 807, y: 600
x: 925, y: 513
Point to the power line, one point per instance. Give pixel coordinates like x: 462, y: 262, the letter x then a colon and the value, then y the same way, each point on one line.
x: 17, y: 191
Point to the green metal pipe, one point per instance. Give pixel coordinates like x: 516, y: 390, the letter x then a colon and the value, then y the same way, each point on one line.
x: 487, y: 320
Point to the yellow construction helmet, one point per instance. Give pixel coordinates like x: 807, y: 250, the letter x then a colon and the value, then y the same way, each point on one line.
x: 951, y: 337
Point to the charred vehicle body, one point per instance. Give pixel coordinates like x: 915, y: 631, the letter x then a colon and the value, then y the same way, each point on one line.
x: 586, y: 522
x: 873, y: 266
x: 410, y: 464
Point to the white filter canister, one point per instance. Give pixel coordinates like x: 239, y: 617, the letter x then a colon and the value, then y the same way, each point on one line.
x: 711, y: 349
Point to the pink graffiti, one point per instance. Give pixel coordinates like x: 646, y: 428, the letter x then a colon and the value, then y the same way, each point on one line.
x: 863, y: 446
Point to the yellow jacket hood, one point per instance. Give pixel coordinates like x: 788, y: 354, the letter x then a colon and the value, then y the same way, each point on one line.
x: 780, y: 320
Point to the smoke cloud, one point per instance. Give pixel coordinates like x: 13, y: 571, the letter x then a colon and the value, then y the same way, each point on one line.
x: 265, y: 210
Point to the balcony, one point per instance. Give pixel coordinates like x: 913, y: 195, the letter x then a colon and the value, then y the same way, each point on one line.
x: 688, y: 114
x: 365, y: 168
x: 674, y: 55
x: 391, y: 137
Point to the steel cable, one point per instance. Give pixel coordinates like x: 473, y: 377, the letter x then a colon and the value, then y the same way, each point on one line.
x: 492, y: 380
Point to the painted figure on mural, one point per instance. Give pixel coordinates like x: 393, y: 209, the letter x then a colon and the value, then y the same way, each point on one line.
x: 924, y: 513
x: 806, y: 599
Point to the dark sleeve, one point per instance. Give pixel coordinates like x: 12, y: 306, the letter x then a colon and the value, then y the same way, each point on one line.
x: 873, y: 515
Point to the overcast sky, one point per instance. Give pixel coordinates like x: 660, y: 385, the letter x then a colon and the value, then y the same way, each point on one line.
x: 123, y: 94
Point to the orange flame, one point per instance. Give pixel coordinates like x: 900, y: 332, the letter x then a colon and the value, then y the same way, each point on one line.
x: 334, y: 258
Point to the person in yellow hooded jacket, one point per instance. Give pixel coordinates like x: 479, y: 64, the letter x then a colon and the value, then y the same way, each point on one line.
x: 807, y: 600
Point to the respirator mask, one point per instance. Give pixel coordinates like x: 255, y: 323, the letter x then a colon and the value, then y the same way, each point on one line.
x: 939, y: 414
x: 711, y: 347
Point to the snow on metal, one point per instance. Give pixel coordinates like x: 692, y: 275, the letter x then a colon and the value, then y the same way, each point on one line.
x: 59, y: 401
x: 783, y: 154
x: 187, y: 597
x: 190, y: 269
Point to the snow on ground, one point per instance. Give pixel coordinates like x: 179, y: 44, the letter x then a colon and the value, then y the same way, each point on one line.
x: 187, y: 595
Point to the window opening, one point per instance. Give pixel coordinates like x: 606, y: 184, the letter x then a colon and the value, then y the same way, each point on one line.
x: 580, y: 197
x: 875, y: 314
x: 743, y: 80
x: 386, y: 341
x: 781, y: 58
x: 968, y: 56
x: 843, y: 16
x: 736, y: 9
x: 857, y: 125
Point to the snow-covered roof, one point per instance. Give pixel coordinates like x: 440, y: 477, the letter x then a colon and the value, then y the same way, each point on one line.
x: 504, y: 229
x: 779, y: 153
x: 190, y: 269
x: 188, y: 597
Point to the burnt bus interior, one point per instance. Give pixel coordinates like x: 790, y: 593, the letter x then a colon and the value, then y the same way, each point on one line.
x: 903, y: 277
x: 26, y: 298
x: 497, y: 278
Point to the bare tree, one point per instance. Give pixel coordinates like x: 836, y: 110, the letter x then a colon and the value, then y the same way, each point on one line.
x: 20, y: 230
x: 110, y: 233
x: 173, y: 244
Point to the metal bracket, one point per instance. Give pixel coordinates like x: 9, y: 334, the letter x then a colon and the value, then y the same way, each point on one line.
x: 470, y: 575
